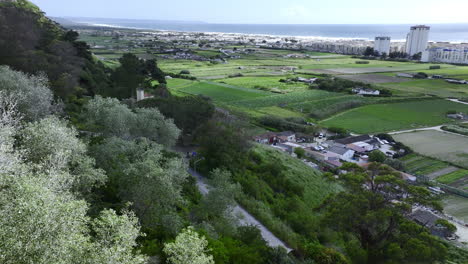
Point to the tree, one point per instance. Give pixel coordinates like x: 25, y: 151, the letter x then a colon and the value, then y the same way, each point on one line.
x: 115, y: 237
x: 128, y: 77
x: 215, y: 208
x: 43, y: 222
x: 111, y: 118
x: 373, y: 210
x: 369, y: 52
x: 188, y: 248
x: 134, y: 73
x: 417, y: 56
x: 223, y: 143
x: 188, y: 112
x: 377, y: 156
x: 53, y: 147
x: 144, y: 174
x: 34, y: 99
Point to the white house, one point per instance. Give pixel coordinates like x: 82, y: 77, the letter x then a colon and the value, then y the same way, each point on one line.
x: 362, y: 91
x: 344, y: 153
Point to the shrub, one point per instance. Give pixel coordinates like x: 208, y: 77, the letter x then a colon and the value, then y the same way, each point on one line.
x: 434, y: 67
x: 421, y: 75
x: 300, y: 152
x: 362, y: 62
x: 184, y: 72
x: 377, y: 156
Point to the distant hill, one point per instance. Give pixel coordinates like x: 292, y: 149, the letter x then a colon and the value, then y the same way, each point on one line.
x: 64, y: 22
x: 32, y: 43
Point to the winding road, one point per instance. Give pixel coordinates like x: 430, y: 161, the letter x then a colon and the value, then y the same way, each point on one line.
x: 246, y: 218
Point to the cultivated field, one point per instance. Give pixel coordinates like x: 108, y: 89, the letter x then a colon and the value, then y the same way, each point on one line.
x: 433, y: 87
x: 419, y: 165
x: 373, y: 78
x: 443, y: 146
x: 395, y: 116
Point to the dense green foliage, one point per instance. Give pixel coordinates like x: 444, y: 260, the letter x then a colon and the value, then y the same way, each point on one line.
x: 188, y: 112
x: 132, y: 74
x: 32, y: 43
x: 378, y: 224
x: 44, y: 173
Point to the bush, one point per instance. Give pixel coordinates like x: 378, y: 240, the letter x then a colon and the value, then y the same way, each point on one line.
x: 377, y: 156
x: 434, y: 67
x: 396, y: 164
x: 450, y: 227
x: 236, y: 75
x: 362, y: 62
x: 300, y: 152
x: 282, y: 124
x: 184, y: 72
x: 421, y: 75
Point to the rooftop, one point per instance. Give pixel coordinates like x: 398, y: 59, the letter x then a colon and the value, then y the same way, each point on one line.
x: 350, y: 140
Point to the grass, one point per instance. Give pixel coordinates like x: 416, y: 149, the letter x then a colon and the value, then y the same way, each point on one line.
x: 395, y: 116
x: 439, y: 145
x: 452, y: 177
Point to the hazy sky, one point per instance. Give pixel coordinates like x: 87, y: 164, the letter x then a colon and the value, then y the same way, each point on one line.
x: 267, y: 11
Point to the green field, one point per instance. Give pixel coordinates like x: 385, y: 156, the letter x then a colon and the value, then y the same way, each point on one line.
x: 452, y: 177
x: 220, y: 92
x: 434, y: 87
x: 456, y: 206
x: 439, y: 145
x: 396, y: 116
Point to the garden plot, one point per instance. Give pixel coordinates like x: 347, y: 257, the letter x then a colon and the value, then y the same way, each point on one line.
x: 444, y: 146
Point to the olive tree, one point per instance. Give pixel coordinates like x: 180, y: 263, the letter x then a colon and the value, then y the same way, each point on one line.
x: 111, y: 118
x: 51, y: 146
x: 147, y: 176
x: 33, y: 97
x: 188, y: 248
x: 43, y: 223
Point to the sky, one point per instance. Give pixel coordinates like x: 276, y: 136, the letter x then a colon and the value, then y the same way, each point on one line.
x: 267, y: 11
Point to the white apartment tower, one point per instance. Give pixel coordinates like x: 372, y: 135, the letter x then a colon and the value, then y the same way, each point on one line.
x: 382, y: 45
x: 417, y: 39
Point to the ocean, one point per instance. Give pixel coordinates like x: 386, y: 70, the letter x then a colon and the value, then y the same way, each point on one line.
x: 439, y: 32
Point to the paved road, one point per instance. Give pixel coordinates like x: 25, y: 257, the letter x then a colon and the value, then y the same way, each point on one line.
x: 437, y: 128
x: 247, y: 219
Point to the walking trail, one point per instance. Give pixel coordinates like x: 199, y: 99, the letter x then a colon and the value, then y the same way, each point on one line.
x: 247, y: 219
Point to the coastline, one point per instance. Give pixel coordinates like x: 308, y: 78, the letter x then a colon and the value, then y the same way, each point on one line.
x: 239, y: 34
x: 278, y: 36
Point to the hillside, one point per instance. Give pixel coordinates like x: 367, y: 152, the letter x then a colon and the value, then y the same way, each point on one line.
x: 32, y: 43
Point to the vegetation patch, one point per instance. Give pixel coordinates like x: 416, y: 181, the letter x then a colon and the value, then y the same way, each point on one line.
x: 452, y: 177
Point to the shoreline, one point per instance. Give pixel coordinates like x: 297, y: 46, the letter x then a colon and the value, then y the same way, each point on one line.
x: 299, y: 37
